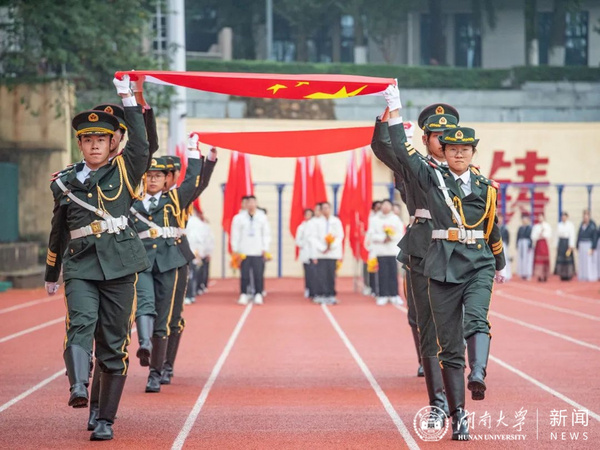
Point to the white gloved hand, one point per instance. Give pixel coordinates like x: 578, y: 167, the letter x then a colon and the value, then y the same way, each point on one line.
x: 500, y: 276
x: 51, y: 287
x: 192, y: 143
x: 392, y: 97
x: 212, y: 154
x: 122, y: 85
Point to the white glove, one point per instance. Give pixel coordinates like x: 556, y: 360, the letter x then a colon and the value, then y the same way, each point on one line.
x: 122, y: 85
x: 500, y: 276
x: 193, y: 142
x: 392, y: 97
x: 51, y: 287
x: 212, y: 155
x: 138, y: 85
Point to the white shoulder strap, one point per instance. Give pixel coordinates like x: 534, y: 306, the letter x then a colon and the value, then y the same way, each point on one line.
x: 137, y: 214
x: 449, y: 201
x: 81, y: 203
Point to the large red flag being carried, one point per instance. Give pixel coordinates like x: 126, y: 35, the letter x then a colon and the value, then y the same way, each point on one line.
x: 239, y: 184
x: 303, y: 194
x: 318, y: 182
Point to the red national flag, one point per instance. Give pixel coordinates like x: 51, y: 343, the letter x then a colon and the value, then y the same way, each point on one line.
x: 320, y: 192
x: 290, y: 144
x: 267, y: 85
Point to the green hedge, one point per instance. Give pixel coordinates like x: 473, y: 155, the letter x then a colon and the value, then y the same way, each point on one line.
x: 413, y: 77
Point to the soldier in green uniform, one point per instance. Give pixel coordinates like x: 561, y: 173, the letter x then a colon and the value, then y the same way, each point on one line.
x: 177, y: 324
x: 463, y: 260
x: 156, y: 220
x: 99, y: 254
x: 433, y: 120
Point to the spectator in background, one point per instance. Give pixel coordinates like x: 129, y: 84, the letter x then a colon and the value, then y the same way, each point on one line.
x: 506, y: 241
x: 327, y: 238
x: 250, y: 240
x: 202, y: 243
x: 565, y: 235
x: 386, y: 229
x: 586, y: 244
x: 524, y: 248
x: 540, y: 237
x: 303, y: 243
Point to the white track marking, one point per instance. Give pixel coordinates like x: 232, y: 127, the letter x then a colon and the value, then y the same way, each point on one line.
x: 191, y: 419
x: 545, y: 330
x: 556, y: 292
x: 412, y: 444
x: 542, y: 386
x: 546, y: 306
x: 28, y: 304
x: 32, y: 329
x: 30, y: 391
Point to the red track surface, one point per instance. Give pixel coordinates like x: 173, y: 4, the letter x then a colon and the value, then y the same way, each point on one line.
x: 290, y: 381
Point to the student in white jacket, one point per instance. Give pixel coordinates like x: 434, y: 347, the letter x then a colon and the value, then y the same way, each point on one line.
x: 327, y: 239
x: 251, y: 237
x: 386, y: 230
x: 303, y: 243
x: 202, y: 244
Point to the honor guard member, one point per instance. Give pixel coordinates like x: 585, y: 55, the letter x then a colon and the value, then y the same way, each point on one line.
x: 463, y: 260
x: 155, y: 219
x: 433, y: 120
x: 99, y: 253
x: 177, y: 323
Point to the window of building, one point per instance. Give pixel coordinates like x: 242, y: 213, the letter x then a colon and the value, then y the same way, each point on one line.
x: 467, y: 41
x: 576, y: 37
x: 425, y: 28
x: 347, y: 39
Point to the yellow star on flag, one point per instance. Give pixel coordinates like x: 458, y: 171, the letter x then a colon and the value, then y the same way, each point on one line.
x: 276, y: 87
x: 301, y: 83
x: 342, y: 93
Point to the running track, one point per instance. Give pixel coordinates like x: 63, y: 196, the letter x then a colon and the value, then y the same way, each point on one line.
x: 290, y: 374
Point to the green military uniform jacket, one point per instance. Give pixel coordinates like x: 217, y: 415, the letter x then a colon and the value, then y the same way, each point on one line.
x: 164, y: 252
x: 415, y: 241
x: 451, y: 261
x: 101, y: 256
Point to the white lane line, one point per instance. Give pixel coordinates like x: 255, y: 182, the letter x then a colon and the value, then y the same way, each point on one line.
x: 542, y: 386
x: 546, y: 306
x: 31, y: 303
x: 32, y: 329
x: 191, y: 419
x: 38, y: 386
x: 30, y: 391
x: 545, y: 330
x: 556, y: 292
x: 412, y: 444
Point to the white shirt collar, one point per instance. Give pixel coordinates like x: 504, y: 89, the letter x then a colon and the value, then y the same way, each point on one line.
x: 83, y: 173
x: 465, y: 177
x: 156, y: 196
x: 439, y: 163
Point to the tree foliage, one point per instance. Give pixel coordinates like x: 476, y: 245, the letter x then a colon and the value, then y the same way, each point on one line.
x: 84, y: 42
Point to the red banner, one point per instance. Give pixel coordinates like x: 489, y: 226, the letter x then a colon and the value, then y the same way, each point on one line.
x: 291, y: 144
x: 267, y: 85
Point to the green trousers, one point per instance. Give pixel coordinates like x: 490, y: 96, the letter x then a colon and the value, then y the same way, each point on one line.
x: 419, y: 284
x: 177, y: 323
x: 156, y: 295
x: 452, y: 325
x: 101, y: 311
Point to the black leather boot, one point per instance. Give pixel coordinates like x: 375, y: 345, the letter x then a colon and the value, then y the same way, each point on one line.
x: 159, y: 351
x: 77, y: 361
x: 478, y: 350
x: 111, y: 388
x: 415, y: 333
x: 94, y: 398
x: 454, y: 383
x: 435, y: 388
x: 145, y: 328
x: 172, y: 347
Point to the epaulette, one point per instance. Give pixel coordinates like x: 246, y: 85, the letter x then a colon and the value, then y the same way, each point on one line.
x: 475, y: 169
x: 487, y: 181
x: 62, y: 172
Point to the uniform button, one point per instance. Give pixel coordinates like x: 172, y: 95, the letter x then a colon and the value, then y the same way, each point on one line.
x: 136, y: 220
x: 71, y: 251
x: 478, y: 245
x: 131, y: 233
x: 153, y: 245
x: 68, y: 199
x: 98, y: 236
x: 90, y: 195
x: 110, y: 185
x: 149, y: 217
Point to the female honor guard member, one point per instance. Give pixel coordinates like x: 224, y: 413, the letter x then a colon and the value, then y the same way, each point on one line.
x: 155, y: 219
x: 465, y: 251
x: 101, y: 254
